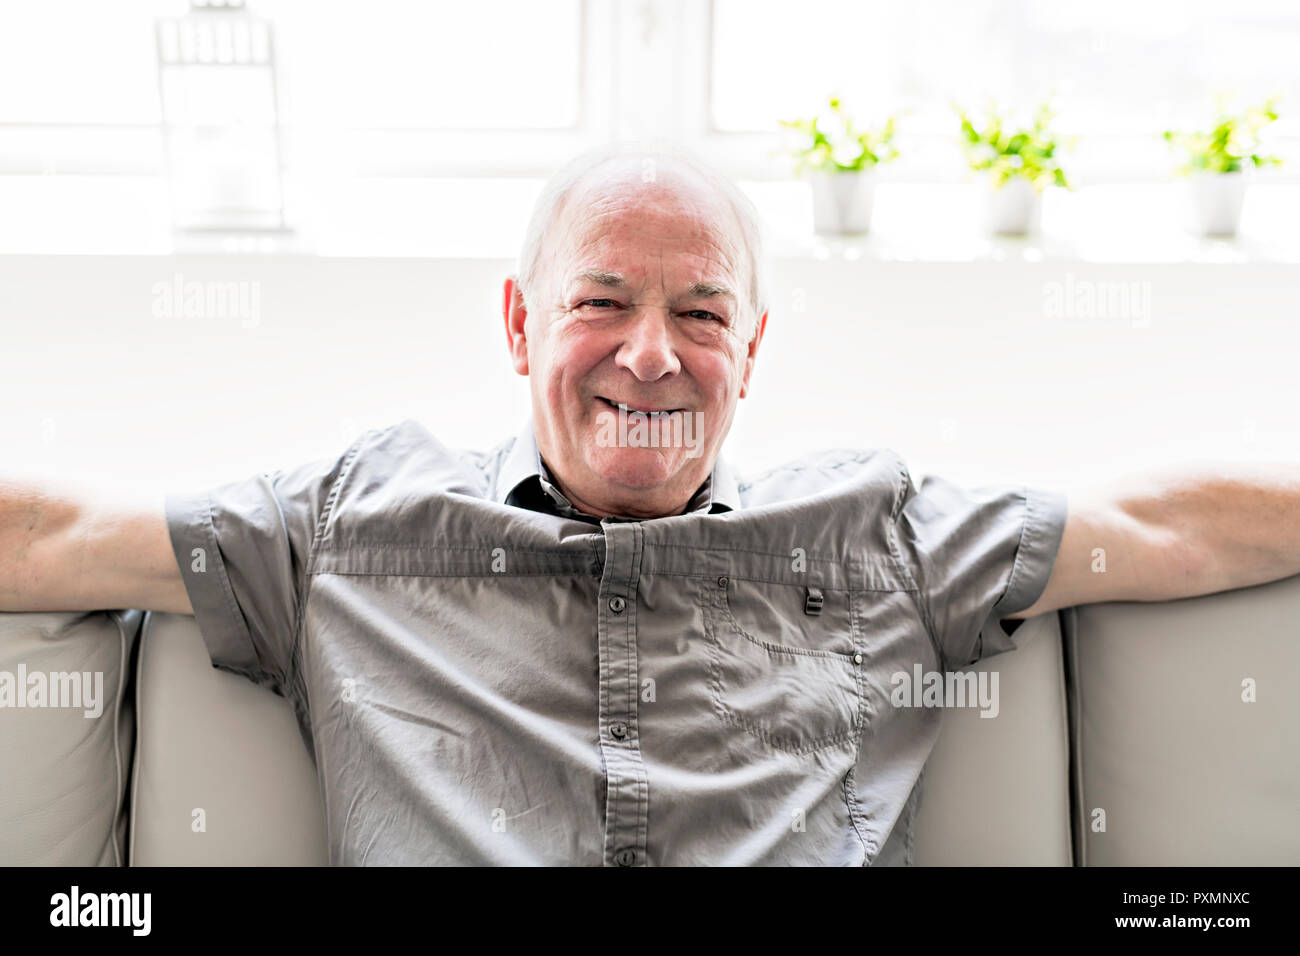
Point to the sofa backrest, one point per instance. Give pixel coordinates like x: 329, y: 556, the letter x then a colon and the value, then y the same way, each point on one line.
x: 1127, y: 734
x: 67, y: 732
x: 222, y: 774
x: 995, y: 791
x: 1187, y: 729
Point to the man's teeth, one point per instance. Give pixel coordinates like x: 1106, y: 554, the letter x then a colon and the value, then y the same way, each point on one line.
x: 633, y: 411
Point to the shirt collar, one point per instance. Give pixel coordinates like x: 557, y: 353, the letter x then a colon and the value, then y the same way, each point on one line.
x: 525, y: 481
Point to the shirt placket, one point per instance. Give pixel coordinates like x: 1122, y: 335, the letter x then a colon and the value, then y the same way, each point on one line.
x: 626, y: 786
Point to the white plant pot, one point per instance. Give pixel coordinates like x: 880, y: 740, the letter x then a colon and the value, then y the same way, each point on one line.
x: 842, y: 202
x: 1214, y: 202
x: 1012, y: 209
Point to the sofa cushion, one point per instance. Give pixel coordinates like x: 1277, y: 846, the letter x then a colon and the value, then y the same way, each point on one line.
x: 1186, y: 771
x: 995, y: 789
x: 223, y: 775
x: 65, y: 764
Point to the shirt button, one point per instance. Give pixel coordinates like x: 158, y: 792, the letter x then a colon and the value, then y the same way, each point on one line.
x: 618, y: 729
x: 722, y: 582
x: 617, y: 604
x: 625, y: 856
x: 857, y: 658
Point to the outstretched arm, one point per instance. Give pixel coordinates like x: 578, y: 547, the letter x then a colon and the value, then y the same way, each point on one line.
x: 1177, y: 532
x: 64, y: 549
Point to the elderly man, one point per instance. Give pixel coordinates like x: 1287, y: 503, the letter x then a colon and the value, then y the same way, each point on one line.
x: 594, y: 643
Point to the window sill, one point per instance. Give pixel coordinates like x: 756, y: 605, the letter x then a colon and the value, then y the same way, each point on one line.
x: 485, y: 219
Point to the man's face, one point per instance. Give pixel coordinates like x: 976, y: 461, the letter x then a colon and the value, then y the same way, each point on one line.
x: 641, y: 341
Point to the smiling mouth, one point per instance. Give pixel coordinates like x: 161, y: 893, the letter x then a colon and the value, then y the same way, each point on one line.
x: 628, y: 409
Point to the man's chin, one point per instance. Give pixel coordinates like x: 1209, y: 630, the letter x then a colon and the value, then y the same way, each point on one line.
x: 639, y: 469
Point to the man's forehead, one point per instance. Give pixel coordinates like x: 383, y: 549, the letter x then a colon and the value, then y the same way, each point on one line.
x: 705, y: 287
x: 672, y: 201
x: 623, y: 249
x: 656, y: 223
x: 676, y: 229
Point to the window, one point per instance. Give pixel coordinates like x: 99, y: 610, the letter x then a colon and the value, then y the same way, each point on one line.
x: 387, y: 86
x: 1120, y: 71
x: 398, y: 115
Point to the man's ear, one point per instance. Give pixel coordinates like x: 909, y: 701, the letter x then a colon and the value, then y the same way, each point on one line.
x: 753, y: 353
x: 516, y: 315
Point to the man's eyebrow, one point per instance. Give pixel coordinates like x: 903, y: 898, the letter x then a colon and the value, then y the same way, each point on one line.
x: 709, y: 290
x: 611, y: 280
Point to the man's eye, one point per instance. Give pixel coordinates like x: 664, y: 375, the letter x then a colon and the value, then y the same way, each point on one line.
x: 600, y: 303
x: 702, y: 314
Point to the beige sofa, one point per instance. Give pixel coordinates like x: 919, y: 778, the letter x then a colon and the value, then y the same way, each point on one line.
x: 1125, y: 736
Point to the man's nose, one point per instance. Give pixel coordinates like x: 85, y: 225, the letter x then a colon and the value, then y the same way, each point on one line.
x: 647, y: 350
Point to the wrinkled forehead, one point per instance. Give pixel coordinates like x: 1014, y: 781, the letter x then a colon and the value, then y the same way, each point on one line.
x: 671, y: 219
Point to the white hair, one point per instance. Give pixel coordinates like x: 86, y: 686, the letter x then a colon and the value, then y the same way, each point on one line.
x: 550, y: 202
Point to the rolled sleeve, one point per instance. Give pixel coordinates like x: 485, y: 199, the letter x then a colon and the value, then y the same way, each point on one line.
x: 243, y: 550
x: 977, y: 555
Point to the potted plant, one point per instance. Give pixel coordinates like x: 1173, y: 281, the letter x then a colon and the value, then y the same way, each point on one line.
x: 1018, y: 162
x: 839, y: 160
x: 1215, y: 164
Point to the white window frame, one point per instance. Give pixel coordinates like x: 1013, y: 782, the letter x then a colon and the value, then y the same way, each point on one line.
x: 646, y: 74
x: 1109, y: 157
x: 106, y: 149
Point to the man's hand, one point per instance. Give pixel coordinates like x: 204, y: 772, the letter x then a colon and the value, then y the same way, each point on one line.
x: 1177, y: 533
x: 62, y: 550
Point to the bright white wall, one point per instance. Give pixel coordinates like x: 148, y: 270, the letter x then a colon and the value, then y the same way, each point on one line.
x: 961, y: 367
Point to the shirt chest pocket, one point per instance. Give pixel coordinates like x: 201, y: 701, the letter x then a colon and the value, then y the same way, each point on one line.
x: 783, y: 663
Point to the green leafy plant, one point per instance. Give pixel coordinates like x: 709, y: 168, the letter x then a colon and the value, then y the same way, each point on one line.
x: 998, y: 145
x: 830, y: 142
x: 1233, y: 142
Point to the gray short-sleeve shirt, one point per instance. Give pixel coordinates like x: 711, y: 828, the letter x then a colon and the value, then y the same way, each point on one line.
x: 486, y: 675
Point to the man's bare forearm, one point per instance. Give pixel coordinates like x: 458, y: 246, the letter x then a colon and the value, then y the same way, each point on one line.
x: 64, y: 549
x: 31, y: 514
x: 1243, y: 518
